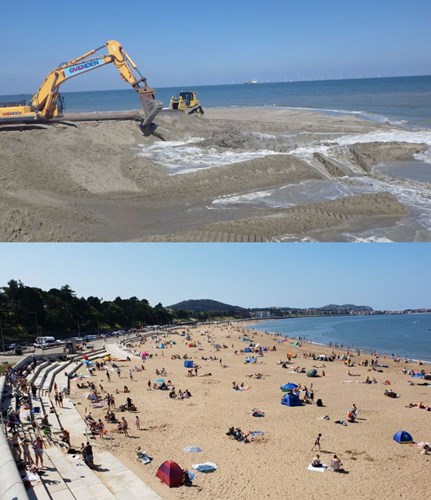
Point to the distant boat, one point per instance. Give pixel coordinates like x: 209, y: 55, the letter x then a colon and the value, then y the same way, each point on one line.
x: 252, y: 81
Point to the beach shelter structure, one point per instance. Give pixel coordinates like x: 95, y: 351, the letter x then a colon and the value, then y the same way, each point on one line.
x: 323, y: 357
x: 290, y: 399
x: 312, y: 373
x: 288, y: 387
x: 170, y: 473
x: 403, y: 437
x: 247, y: 349
x: 188, y: 363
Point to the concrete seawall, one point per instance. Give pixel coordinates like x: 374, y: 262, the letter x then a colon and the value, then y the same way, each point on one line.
x: 11, y: 485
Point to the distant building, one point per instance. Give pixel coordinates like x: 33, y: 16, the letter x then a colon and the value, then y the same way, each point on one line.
x: 262, y: 314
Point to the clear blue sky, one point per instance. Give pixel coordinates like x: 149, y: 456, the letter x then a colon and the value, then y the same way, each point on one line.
x: 383, y: 276
x: 204, y: 42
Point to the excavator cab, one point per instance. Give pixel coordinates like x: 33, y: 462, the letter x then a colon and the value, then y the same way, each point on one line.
x: 188, y: 102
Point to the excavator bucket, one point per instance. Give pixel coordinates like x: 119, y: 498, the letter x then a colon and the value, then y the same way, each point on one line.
x: 150, y: 106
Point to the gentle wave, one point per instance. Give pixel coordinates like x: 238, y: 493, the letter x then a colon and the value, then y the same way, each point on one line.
x: 182, y: 157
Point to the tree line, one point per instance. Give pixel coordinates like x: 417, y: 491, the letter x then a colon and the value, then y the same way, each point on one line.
x: 26, y: 312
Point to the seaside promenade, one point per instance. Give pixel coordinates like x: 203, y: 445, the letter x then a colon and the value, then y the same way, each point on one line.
x: 65, y: 475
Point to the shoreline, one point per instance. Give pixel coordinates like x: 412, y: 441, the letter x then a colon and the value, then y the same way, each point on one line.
x: 364, y: 350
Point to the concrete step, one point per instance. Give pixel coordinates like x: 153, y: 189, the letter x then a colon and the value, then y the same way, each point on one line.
x: 121, y: 481
x: 81, y: 482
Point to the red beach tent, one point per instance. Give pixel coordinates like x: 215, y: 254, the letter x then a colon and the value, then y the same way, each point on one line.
x: 170, y: 473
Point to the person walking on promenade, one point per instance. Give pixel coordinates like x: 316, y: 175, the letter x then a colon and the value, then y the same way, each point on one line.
x: 38, y: 446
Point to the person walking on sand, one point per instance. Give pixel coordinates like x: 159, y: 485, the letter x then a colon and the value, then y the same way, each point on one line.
x: 317, y: 442
x: 125, y: 427
x: 137, y: 423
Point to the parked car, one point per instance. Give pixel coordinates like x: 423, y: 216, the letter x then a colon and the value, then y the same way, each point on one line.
x: 15, y: 347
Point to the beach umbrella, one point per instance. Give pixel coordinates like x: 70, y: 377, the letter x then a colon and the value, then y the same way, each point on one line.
x: 144, y: 354
x: 288, y: 387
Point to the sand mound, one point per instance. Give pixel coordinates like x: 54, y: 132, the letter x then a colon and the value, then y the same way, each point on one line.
x: 90, y: 184
x: 236, y: 139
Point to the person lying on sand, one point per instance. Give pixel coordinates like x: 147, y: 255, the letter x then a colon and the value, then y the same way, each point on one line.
x: 391, y: 394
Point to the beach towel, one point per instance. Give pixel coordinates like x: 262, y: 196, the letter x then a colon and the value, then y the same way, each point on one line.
x: 205, y: 467
x: 192, y: 449
x: 257, y: 433
x: 100, y: 404
x: 33, y: 478
x: 317, y: 469
x: 144, y: 458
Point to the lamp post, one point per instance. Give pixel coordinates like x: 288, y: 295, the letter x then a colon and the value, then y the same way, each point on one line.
x: 1, y: 333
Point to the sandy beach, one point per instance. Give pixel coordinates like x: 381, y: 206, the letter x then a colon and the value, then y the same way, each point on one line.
x: 104, y: 181
x: 273, y: 465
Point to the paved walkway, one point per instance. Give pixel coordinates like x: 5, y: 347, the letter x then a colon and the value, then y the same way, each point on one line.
x: 121, y: 482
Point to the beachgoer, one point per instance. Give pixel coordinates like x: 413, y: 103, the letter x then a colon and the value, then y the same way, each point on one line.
x: 87, y: 455
x: 317, y: 442
x: 65, y: 436
x: 16, y: 448
x: 38, y: 446
x: 336, y: 464
x: 125, y: 426
x: 137, y: 423
x: 316, y: 461
x: 26, y: 451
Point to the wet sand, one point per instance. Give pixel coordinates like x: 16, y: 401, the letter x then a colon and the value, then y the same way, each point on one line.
x: 89, y: 183
x: 265, y: 467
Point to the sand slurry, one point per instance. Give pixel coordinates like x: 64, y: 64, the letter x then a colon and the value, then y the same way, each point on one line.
x: 277, y: 461
x: 107, y: 182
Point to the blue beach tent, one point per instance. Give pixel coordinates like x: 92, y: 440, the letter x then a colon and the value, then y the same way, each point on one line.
x: 188, y: 363
x: 291, y: 400
x: 403, y: 437
x: 247, y: 349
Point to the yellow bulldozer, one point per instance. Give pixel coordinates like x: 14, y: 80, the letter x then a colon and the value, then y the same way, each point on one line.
x: 188, y: 102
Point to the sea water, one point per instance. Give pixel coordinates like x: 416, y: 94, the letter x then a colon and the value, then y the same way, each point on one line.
x: 406, y: 335
x: 401, y: 100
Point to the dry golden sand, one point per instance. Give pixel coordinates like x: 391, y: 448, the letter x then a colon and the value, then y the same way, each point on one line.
x: 275, y: 465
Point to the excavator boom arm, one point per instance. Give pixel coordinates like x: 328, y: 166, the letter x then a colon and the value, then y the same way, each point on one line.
x: 44, y: 102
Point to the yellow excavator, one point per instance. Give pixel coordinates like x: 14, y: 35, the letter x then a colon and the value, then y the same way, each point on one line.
x: 48, y: 105
x: 188, y: 102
